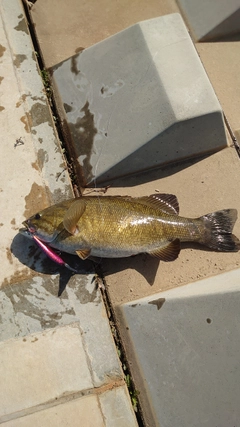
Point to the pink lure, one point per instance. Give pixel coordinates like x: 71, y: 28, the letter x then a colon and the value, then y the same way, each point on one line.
x: 51, y: 254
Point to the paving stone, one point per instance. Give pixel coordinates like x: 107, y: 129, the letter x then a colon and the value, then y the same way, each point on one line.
x: 79, y: 412
x: 183, y: 347
x: 211, y: 19
x: 138, y: 100
x: 42, y: 367
x: 116, y: 408
x: 34, y: 306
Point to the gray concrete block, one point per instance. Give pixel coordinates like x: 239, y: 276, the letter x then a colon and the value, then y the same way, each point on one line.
x: 211, y: 19
x: 183, y: 348
x: 138, y: 100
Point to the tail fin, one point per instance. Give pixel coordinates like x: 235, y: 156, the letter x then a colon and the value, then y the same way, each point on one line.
x: 218, y: 230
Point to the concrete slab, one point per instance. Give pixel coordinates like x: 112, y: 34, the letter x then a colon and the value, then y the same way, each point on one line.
x: 85, y: 411
x: 87, y: 23
x: 183, y: 349
x: 210, y: 19
x: 137, y: 101
x: 116, y: 408
x: 49, y: 365
x: 222, y: 61
x: 34, y: 307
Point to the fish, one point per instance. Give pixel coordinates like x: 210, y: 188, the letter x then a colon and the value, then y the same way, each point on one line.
x: 123, y: 226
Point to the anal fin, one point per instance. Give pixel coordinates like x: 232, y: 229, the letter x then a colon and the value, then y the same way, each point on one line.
x: 169, y: 252
x: 83, y: 253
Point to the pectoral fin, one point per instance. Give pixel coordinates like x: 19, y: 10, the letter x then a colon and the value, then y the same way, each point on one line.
x: 73, y: 215
x: 169, y: 252
x: 83, y: 253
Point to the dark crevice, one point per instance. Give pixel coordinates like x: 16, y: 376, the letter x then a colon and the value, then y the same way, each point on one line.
x: 133, y: 392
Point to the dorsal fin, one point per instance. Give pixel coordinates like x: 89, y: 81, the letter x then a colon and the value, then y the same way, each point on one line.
x: 169, y: 252
x: 73, y: 215
x: 167, y: 203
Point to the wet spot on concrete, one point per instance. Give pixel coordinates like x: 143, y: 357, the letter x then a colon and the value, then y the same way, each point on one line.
x: 18, y: 60
x: 67, y: 107
x: 35, y: 166
x: 21, y: 100
x: 36, y: 200
x: 83, y: 132
x: 158, y: 302
x: 79, y: 49
x: 74, y: 67
x: 17, y: 277
x: 9, y: 255
x: 108, y: 91
x: 2, y: 108
x: 2, y: 50
x: 27, y: 121
x: 39, y: 113
x: 21, y: 26
x: 42, y: 157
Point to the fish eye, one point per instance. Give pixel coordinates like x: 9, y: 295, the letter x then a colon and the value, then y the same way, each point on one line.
x: 37, y: 216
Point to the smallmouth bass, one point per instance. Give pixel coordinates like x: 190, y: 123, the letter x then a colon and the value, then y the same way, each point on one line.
x: 122, y: 226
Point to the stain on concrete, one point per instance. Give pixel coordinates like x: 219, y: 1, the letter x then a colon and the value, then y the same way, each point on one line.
x: 83, y: 133
x: 158, y: 302
x: 9, y: 256
x: 84, y: 295
x: 1, y: 79
x: 13, y: 222
x: 74, y: 67
x: 42, y: 157
x: 35, y: 165
x: 67, y: 107
x: 36, y: 200
x: 18, y: 60
x: 39, y: 113
x: 79, y: 49
x: 27, y: 121
x: 40, y: 140
x: 2, y: 50
x: 21, y: 100
x: 17, y: 277
x: 22, y: 26
x: 2, y: 108
x: 34, y: 306
x: 108, y: 91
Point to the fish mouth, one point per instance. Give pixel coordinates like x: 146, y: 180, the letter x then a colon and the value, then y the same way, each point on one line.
x: 29, y: 227
x: 25, y: 232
